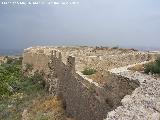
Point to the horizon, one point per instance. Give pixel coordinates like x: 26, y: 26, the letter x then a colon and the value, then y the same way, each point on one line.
x: 18, y: 51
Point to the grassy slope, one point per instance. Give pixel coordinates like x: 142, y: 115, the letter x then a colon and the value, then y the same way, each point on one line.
x: 19, y: 94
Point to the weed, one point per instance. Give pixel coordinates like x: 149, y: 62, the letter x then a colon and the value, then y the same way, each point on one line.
x: 89, y: 71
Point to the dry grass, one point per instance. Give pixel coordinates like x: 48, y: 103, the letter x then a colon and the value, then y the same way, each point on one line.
x: 138, y: 68
x: 48, y: 108
x: 141, y: 68
x: 45, y: 105
x: 100, y: 77
x: 97, y: 77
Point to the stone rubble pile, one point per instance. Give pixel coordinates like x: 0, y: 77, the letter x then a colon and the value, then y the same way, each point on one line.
x: 144, y: 103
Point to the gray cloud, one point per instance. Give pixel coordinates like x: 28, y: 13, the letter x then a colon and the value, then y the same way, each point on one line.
x: 96, y: 22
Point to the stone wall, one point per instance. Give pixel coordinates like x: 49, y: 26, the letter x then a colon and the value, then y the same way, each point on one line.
x: 116, y: 87
x: 90, y: 57
x: 82, y: 98
x: 86, y: 101
x: 38, y: 60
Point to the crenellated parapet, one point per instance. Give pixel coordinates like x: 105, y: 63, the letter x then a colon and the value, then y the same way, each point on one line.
x: 54, y: 62
x: 54, y: 66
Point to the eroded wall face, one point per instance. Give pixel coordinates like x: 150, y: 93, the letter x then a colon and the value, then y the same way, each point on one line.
x: 80, y: 100
x: 39, y: 61
x: 116, y: 87
x: 85, y: 102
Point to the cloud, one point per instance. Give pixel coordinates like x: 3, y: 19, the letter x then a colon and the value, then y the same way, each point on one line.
x: 102, y: 22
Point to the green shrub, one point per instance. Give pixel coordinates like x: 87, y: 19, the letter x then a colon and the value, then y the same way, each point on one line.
x: 147, y: 68
x: 9, y: 60
x: 10, y: 74
x: 153, y: 67
x: 115, y: 47
x: 17, y: 91
x: 38, y: 78
x: 18, y: 61
x: 12, y: 60
x: 89, y: 71
x: 158, y: 61
x: 29, y: 87
x: 12, y: 80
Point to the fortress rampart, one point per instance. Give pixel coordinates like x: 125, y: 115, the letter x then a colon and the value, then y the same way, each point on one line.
x: 83, y: 99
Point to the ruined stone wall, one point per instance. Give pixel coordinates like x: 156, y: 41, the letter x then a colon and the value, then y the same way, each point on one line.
x: 81, y: 102
x: 107, y: 62
x: 89, y: 57
x: 86, y: 101
x: 38, y: 60
x: 82, y: 99
x: 116, y: 87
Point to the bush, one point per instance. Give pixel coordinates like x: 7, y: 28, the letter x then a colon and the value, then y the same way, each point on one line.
x: 18, y: 61
x: 158, y: 61
x: 10, y: 74
x: 88, y: 71
x: 17, y: 91
x: 115, y: 47
x: 153, y: 67
x: 12, y: 60
x: 9, y: 60
x: 38, y: 78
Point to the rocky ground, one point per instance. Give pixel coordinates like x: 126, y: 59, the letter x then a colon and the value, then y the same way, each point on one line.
x: 99, y: 58
x: 144, y: 103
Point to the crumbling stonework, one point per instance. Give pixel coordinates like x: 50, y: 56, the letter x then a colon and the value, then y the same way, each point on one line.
x: 88, y: 57
x: 86, y: 101
x: 83, y: 98
x: 53, y: 78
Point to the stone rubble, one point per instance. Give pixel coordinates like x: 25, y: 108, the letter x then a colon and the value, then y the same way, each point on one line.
x: 144, y: 103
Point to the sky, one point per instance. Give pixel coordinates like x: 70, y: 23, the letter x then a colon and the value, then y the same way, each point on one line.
x: 128, y: 23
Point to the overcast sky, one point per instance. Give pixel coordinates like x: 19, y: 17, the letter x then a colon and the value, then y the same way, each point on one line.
x: 91, y: 22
